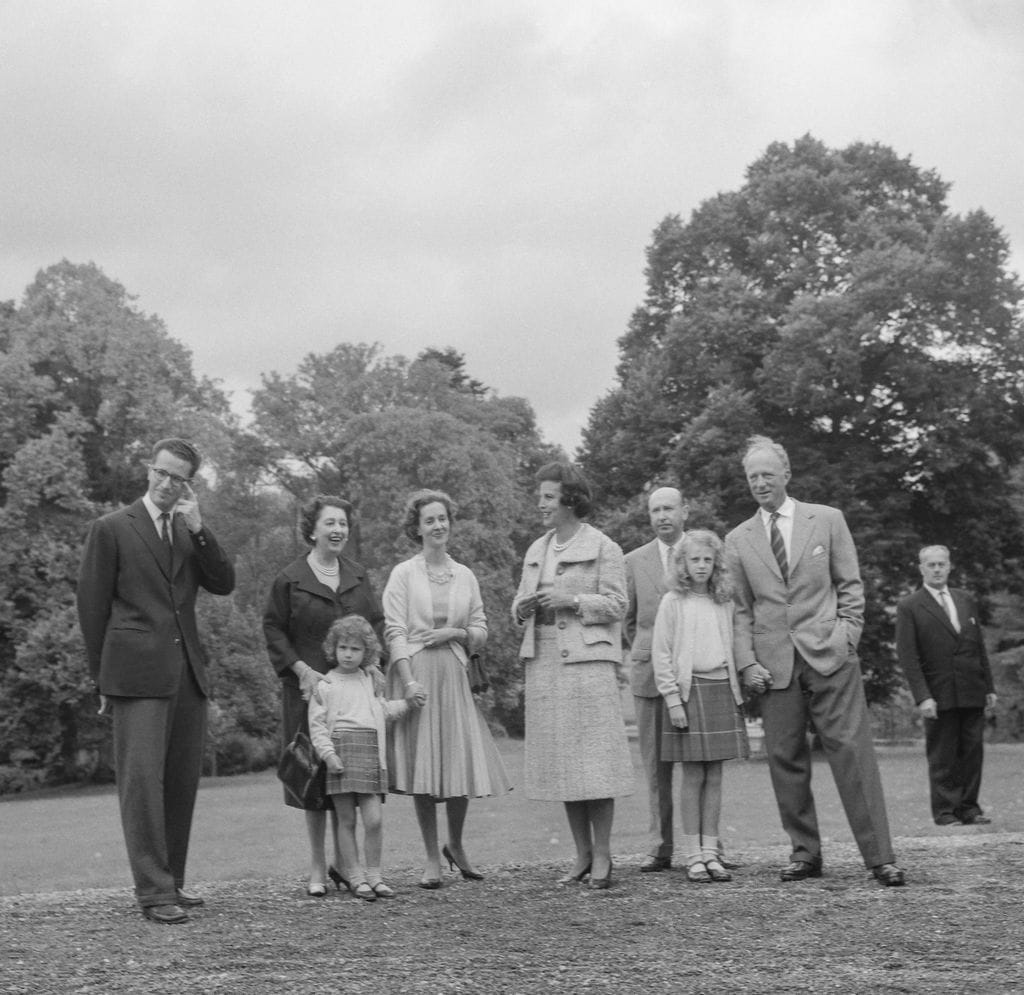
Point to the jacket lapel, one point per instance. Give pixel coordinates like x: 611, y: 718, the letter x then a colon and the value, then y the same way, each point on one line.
x: 803, y: 527
x: 757, y: 538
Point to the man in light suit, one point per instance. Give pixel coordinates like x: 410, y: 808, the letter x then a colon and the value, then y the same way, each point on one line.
x: 645, y: 585
x: 799, y: 615
x: 141, y: 570
x: 942, y: 653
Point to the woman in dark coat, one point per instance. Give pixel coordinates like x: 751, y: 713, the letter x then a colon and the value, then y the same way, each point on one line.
x: 305, y: 598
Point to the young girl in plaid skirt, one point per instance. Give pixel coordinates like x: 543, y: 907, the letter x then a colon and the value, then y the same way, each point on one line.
x: 693, y: 664
x: 347, y: 716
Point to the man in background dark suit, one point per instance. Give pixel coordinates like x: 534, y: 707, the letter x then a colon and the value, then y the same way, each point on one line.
x: 645, y: 585
x: 141, y: 570
x: 942, y: 653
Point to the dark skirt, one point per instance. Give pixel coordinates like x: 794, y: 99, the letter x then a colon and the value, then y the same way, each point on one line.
x: 716, y: 730
x: 357, y: 750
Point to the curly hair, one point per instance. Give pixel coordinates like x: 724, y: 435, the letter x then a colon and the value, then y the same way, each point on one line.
x: 311, y: 512
x: 411, y: 512
x: 720, y: 581
x: 576, y: 491
x: 356, y: 628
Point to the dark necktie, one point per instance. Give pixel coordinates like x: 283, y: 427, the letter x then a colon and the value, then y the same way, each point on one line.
x: 778, y: 546
x: 165, y: 535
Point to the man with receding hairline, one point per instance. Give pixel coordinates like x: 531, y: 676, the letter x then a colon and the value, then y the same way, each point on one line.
x: 798, y: 620
x: 645, y: 585
x: 941, y: 650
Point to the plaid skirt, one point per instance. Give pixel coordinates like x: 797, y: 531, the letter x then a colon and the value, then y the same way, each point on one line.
x: 357, y: 749
x: 716, y: 730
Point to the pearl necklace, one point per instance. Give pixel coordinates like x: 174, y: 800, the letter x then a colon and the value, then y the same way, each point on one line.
x: 561, y: 547
x: 442, y: 577
x: 321, y: 569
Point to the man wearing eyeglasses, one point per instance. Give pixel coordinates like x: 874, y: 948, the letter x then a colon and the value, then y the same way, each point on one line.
x: 141, y: 570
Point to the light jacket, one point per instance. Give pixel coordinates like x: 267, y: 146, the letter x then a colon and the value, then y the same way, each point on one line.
x: 590, y: 568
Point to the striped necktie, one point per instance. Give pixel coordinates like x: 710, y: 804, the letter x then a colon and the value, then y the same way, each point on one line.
x: 778, y: 546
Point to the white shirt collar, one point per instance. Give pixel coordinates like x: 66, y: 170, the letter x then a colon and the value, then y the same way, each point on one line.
x: 785, y: 510
x: 154, y: 511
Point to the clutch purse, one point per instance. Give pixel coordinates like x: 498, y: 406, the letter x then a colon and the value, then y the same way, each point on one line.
x: 478, y: 682
x: 303, y: 773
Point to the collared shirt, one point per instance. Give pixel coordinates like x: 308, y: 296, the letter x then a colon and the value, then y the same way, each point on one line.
x: 784, y: 522
x: 155, y: 513
x: 946, y: 603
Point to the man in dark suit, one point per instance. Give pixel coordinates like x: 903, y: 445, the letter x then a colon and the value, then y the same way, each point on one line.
x: 942, y: 653
x: 645, y: 585
x: 798, y: 619
x: 141, y: 570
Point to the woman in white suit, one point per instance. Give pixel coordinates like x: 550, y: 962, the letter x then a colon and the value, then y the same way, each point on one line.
x: 571, y: 601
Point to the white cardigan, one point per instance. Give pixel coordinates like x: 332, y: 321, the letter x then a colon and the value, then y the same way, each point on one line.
x: 409, y: 608
x: 323, y: 707
x: 672, y: 659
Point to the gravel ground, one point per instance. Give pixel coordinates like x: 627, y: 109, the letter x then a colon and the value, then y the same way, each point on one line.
x: 956, y: 927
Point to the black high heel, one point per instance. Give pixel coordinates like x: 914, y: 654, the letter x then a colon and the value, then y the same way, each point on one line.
x: 453, y: 863
x: 337, y: 878
x: 575, y: 878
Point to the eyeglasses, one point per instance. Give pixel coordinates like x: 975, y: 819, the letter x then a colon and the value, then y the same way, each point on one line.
x: 163, y: 475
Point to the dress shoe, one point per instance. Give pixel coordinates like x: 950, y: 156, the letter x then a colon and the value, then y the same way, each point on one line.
x: 888, y: 875
x: 650, y: 864
x: 571, y: 878
x: 602, y: 884
x: 798, y: 870
x: 189, y: 899
x: 467, y: 873
x: 948, y: 820
x: 316, y: 890
x: 166, y: 915
x: 716, y: 871
x: 976, y: 820
x: 382, y: 890
x: 365, y: 892
x: 697, y: 872
x: 431, y: 884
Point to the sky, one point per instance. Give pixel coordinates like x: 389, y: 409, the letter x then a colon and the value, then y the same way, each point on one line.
x: 274, y: 178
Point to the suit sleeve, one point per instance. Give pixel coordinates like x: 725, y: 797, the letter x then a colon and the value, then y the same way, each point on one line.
x: 608, y: 604
x: 97, y: 581
x: 743, y: 610
x: 990, y: 686
x: 276, y: 626
x: 846, y: 578
x: 216, y: 571
x: 907, y: 652
x: 629, y: 622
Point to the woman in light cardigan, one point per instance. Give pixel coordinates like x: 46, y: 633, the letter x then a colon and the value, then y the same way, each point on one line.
x: 691, y: 652
x: 433, y: 618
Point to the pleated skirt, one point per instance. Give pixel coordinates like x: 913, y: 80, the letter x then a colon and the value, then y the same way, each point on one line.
x: 576, y: 744
x: 716, y: 730
x: 444, y: 749
x: 357, y: 749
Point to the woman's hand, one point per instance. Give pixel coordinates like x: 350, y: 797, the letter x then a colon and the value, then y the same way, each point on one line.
x: 308, y: 678
x: 548, y: 600
x: 527, y: 606
x: 415, y: 694
x: 334, y: 764
x: 438, y: 637
x: 677, y: 715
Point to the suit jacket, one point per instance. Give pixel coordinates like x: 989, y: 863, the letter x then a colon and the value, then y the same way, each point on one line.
x: 819, y: 612
x: 645, y: 585
x: 300, y: 610
x: 138, y: 620
x: 939, y: 662
x: 592, y: 568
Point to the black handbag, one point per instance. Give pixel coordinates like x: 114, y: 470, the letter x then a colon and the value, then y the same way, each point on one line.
x: 478, y: 682
x: 304, y: 774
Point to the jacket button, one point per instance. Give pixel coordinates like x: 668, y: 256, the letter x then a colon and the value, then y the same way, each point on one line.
x: 561, y: 625
x: 565, y: 652
x: 560, y: 569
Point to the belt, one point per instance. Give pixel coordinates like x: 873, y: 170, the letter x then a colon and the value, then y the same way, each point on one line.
x: 546, y: 616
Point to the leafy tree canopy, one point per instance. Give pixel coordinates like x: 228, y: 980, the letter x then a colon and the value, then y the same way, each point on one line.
x: 834, y: 303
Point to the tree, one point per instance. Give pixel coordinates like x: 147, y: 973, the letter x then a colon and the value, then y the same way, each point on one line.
x: 87, y: 384
x: 835, y: 303
x: 375, y: 428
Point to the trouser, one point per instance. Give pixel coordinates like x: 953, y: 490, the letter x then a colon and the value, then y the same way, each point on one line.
x: 651, y: 716
x: 955, y: 747
x: 158, y: 758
